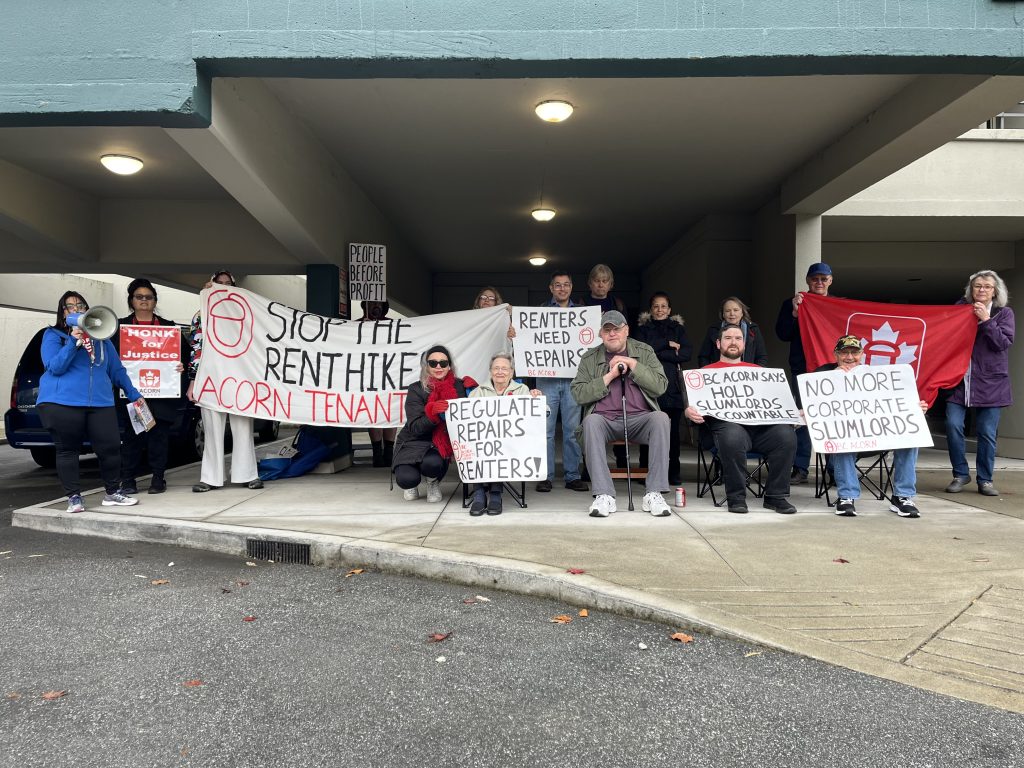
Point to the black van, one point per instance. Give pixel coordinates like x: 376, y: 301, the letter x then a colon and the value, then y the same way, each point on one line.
x: 24, y: 430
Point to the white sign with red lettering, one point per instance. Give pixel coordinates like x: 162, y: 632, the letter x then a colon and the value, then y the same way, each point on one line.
x: 151, y: 354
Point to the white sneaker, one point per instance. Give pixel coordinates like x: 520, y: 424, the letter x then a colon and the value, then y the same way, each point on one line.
x: 75, y: 503
x: 411, y: 494
x: 655, y: 503
x: 433, y: 491
x: 603, y: 505
x: 118, y: 500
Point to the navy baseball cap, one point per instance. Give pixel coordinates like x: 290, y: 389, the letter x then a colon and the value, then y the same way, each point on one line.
x: 820, y: 268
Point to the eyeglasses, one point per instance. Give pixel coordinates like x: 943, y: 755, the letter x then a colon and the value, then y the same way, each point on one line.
x: 74, y: 307
x: 488, y: 298
x: 819, y: 279
x: 500, y: 369
x: 561, y: 285
x: 438, y: 363
x: 144, y: 297
x: 983, y: 287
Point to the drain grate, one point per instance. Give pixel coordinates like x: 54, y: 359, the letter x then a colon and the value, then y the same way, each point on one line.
x: 278, y: 551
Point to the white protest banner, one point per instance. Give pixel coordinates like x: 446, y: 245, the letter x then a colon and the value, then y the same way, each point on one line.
x: 870, y: 408
x: 550, y: 341
x: 742, y: 394
x: 498, y: 439
x: 262, y: 358
x: 151, y: 354
x: 367, y: 273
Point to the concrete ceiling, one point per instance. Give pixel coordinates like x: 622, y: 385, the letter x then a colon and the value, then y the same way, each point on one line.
x: 457, y: 165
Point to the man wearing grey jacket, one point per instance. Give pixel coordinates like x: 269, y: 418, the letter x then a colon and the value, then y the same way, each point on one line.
x: 622, y: 362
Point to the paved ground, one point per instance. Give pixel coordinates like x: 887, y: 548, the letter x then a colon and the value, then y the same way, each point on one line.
x: 338, y: 671
x: 936, y: 602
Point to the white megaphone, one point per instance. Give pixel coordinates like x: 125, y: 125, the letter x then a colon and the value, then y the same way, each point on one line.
x: 99, y: 322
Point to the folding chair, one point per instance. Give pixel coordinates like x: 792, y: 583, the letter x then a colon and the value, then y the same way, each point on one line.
x: 709, y: 474
x: 518, y: 494
x: 874, y: 472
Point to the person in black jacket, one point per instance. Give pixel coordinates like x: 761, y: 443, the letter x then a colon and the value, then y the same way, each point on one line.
x: 142, y: 298
x: 422, y: 448
x: 666, y: 335
x: 734, y: 312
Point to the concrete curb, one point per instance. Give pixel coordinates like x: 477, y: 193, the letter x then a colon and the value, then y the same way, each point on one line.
x: 521, y: 577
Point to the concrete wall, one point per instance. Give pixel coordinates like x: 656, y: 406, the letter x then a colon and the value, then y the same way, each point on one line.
x: 136, y: 57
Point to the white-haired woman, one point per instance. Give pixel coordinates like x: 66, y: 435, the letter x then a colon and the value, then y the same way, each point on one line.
x: 985, y: 388
x: 487, y: 496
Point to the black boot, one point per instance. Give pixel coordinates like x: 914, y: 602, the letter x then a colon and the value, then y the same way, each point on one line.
x: 389, y: 452
x: 378, y: 454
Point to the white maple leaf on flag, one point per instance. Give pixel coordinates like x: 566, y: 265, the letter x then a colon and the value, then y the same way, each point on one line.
x: 907, y: 352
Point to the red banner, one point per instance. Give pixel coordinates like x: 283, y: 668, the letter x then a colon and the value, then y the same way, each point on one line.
x: 935, y: 340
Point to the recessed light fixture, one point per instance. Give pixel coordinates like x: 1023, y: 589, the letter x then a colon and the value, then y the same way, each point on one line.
x: 543, y: 214
x: 554, y: 111
x: 538, y: 261
x: 122, y: 165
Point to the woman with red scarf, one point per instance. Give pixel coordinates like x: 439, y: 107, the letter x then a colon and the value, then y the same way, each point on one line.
x: 422, y: 448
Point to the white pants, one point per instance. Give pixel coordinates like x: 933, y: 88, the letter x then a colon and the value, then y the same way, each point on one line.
x: 243, y: 451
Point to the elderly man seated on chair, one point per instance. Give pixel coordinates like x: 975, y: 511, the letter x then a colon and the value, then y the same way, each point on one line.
x: 638, y: 378
x: 776, y: 442
x: 844, y: 465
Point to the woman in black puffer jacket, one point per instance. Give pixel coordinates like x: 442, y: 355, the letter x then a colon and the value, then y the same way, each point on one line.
x: 665, y: 333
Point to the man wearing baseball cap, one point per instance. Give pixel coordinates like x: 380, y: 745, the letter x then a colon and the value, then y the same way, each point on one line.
x: 848, y: 351
x: 787, y: 328
x: 634, y: 370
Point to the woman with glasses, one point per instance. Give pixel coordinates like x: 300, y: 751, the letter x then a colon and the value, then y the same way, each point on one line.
x: 243, y: 449
x: 985, y: 388
x: 142, y: 298
x: 422, y: 449
x: 487, y: 297
x: 487, y: 496
x: 76, y: 401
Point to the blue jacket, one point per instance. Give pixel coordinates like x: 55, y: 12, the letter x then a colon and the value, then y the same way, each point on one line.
x: 70, y: 378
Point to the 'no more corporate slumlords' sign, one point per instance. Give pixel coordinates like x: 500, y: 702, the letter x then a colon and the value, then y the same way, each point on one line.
x: 869, y: 408
x: 551, y: 340
x: 498, y: 439
x: 742, y: 394
x: 367, y: 272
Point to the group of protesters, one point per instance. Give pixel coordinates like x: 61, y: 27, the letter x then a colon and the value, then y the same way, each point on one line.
x: 81, y: 375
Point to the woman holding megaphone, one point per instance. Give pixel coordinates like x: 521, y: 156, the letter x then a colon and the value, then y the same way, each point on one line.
x: 76, y: 395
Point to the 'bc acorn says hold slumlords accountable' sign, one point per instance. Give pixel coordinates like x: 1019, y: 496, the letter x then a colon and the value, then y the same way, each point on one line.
x: 498, y: 439
x: 742, y: 394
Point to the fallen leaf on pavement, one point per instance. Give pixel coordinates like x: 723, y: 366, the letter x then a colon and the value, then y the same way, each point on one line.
x: 249, y: 618
x: 482, y: 599
x: 840, y: 560
x: 575, y: 571
x: 354, y: 572
x: 242, y: 583
x: 13, y: 696
x: 250, y: 563
x: 563, y: 619
x: 584, y: 613
x: 682, y: 637
x: 438, y: 637
x: 225, y: 591
x: 752, y: 653
x: 469, y: 601
x: 160, y: 582
x: 193, y: 683
x: 53, y: 695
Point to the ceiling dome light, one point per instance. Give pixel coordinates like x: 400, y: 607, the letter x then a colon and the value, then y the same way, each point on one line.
x: 543, y: 214
x: 538, y: 261
x: 122, y: 165
x: 554, y: 111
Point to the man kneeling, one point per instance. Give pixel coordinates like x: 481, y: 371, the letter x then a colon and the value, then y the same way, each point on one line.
x: 776, y: 442
x: 639, y: 371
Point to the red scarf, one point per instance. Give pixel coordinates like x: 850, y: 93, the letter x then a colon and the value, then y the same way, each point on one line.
x: 442, y: 389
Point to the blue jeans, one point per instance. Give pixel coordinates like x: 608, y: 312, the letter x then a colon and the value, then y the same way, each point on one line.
x: 904, y: 473
x: 986, y: 423
x: 559, y: 398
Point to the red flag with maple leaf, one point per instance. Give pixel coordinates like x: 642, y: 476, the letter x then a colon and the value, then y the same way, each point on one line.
x: 935, y: 340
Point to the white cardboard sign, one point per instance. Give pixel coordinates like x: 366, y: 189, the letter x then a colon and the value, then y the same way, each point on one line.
x: 367, y: 273
x: 499, y: 439
x: 870, y: 408
x: 742, y: 394
x: 550, y: 341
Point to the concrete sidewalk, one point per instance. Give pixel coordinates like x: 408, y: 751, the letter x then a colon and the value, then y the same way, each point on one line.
x: 936, y: 602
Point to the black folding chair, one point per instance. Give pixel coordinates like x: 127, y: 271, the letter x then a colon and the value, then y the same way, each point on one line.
x: 518, y: 494
x: 709, y: 473
x: 874, y: 472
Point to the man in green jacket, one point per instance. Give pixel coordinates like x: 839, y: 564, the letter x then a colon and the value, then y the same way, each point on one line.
x: 637, y: 372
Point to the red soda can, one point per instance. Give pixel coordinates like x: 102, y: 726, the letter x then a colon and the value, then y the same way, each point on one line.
x: 680, y: 497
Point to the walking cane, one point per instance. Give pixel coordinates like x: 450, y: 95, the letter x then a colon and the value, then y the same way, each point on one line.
x: 625, y: 436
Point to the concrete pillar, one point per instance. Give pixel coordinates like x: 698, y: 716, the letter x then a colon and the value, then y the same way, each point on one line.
x: 806, y: 245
